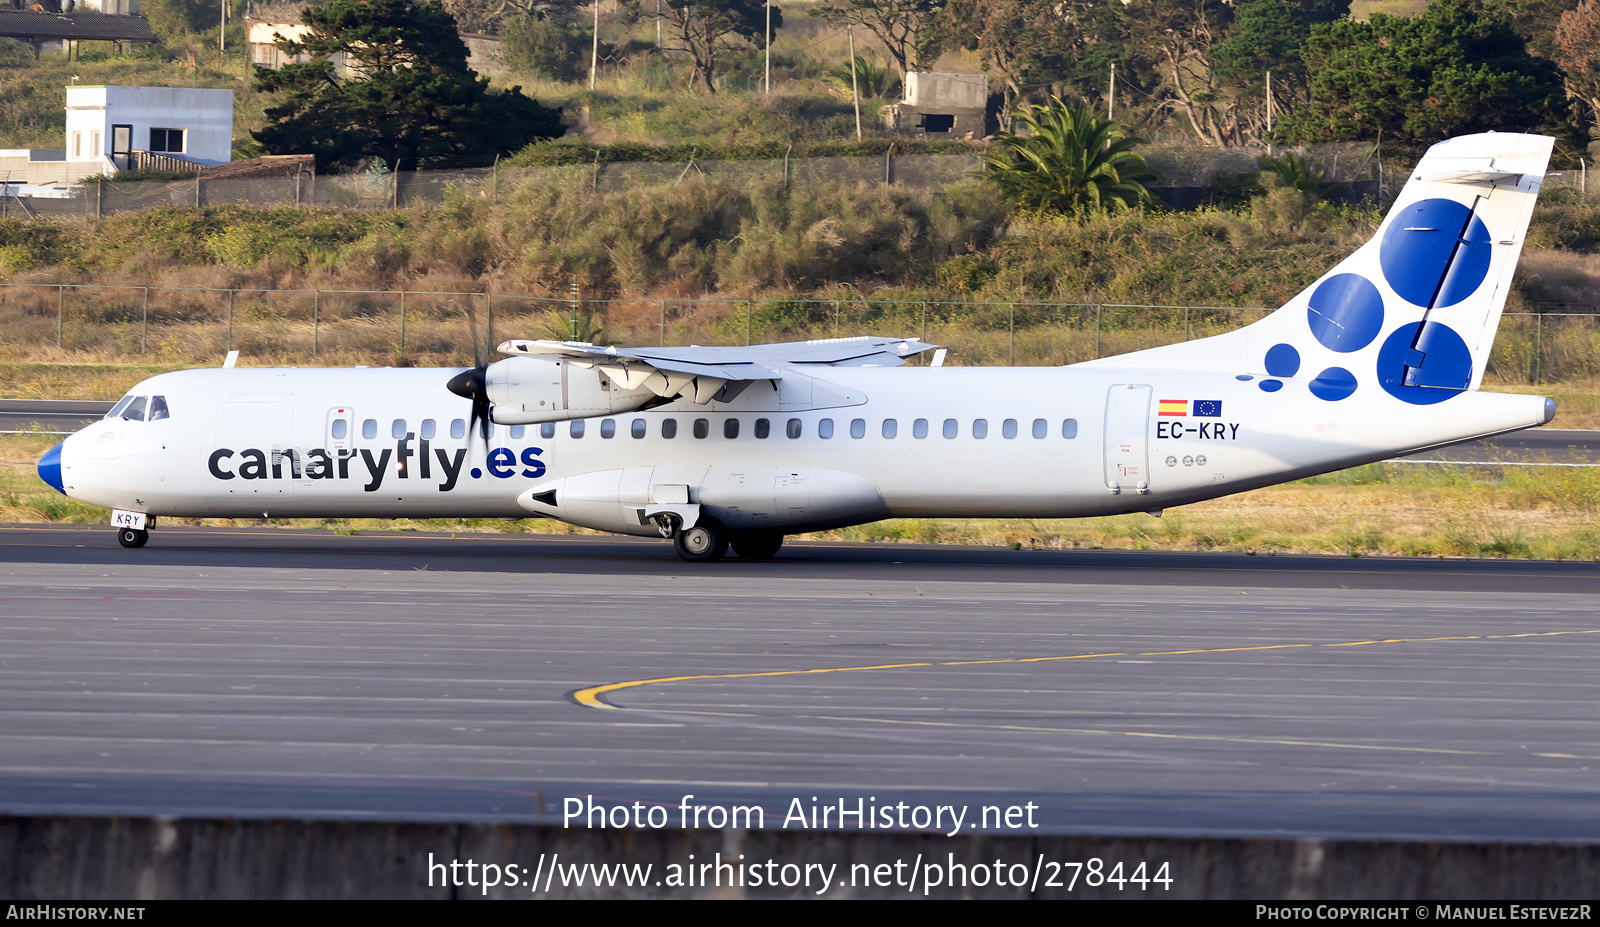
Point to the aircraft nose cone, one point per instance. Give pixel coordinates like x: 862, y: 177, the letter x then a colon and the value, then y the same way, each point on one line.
x: 50, y: 468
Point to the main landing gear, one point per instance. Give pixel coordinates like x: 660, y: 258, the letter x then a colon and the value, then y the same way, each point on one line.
x: 705, y: 542
x: 710, y: 539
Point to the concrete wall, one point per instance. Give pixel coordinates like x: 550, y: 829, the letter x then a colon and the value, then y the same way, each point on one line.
x: 946, y: 91
x: 90, y: 858
x: 206, y: 116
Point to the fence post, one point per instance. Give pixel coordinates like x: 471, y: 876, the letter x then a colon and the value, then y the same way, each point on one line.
x: 144, y: 323
x: 1538, y: 343
x: 575, y: 307
x: 1011, y: 335
x: 61, y: 305
x: 748, y: 311
x: 1185, y: 323
x: 1097, y: 308
x: 197, y: 191
x: 99, y: 192
x: 663, y: 341
x: 836, y: 318
x: 230, y: 320
x: 402, y: 327
x: 316, y: 312
x: 924, y: 337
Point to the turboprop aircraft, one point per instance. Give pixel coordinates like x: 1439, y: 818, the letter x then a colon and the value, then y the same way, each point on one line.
x: 716, y: 446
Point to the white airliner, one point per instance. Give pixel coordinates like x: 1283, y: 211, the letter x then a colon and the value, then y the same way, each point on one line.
x: 717, y: 446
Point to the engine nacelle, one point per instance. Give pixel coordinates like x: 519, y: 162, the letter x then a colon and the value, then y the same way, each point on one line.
x: 530, y: 390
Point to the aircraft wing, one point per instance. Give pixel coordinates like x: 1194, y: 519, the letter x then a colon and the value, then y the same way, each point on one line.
x: 702, y: 372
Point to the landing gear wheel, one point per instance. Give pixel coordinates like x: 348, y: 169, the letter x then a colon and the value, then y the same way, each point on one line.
x: 756, y: 545
x: 133, y: 537
x: 705, y: 542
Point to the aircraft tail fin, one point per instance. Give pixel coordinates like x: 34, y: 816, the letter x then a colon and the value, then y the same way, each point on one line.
x: 1417, y: 305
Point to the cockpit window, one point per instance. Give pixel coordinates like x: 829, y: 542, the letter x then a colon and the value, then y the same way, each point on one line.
x: 135, y: 411
x: 116, y: 410
x: 158, y: 408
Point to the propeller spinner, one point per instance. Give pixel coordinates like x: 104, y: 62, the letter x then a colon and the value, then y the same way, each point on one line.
x: 473, y: 384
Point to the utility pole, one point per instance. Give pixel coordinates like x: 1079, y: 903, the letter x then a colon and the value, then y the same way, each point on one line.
x: 1111, y: 94
x: 222, y: 33
x: 594, y: 51
x: 658, y: 25
x: 855, y: 95
x: 767, y: 80
x: 1269, y: 101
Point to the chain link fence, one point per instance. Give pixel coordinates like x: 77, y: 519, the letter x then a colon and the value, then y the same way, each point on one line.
x: 1184, y: 178
x: 406, y: 328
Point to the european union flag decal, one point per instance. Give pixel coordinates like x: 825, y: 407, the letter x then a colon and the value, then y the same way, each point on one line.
x: 1207, y: 408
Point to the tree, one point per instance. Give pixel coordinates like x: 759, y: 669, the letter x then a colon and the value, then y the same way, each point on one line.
x: 1073, y: 160
x: 539, y: 45
x: 708, y: 28
x: 1180, y: 36
x: 896, y: 23
x: 405, y: 93
x: 1577, y: 45
x: 1447, y: 72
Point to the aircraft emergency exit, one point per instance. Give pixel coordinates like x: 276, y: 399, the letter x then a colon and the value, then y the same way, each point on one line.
x: 709, y: 447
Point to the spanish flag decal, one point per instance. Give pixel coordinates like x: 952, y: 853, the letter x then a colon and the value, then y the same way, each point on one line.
x: 1179, y: 407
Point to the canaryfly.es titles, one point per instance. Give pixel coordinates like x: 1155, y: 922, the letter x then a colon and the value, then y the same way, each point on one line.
x: 801, y: 814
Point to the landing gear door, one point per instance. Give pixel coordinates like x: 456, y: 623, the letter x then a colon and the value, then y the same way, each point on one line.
x: 1128, y: 438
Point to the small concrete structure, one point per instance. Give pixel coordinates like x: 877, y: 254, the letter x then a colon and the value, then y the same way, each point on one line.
x: 112, y: 129
x: 941, y: 103
x: 44, y: 172
x: 181, y: 122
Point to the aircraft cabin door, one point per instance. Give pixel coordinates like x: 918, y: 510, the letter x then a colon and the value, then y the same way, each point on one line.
x: 1128, y: 438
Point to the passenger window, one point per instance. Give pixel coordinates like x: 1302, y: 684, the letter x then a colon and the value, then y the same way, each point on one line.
x: 730, y: 428
x: 369, y: 428
x: 135, y: 412
x: 608, y: 428
x: 547, y: 430
x: 638, y: 428
x: 517, y: 431
x: 1040, y: 428
x: 793, y: 428
x: 340, y: 429
x: 458, y: 428
x: 763, y: 428
x: 669, y: 428
x: 951, y: 429
x: 428, y: 429
x: 576, y: 428
x: 158, y: 408
x: 1008, y: 428
x: 919, y: 428
x: 397, y: 429
x: 116, y: 410
x: 1069, y: 428
x: 980, y: 428
x: 702, y: 427
x: 890, y: 428
x: 858, y: 428
x: 825, y: 428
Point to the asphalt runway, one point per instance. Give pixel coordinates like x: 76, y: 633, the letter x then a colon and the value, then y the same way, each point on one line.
x: 1537, y: 445
x: 263, y: 671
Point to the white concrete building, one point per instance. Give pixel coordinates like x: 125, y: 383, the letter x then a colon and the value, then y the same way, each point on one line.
x: 181, y: 122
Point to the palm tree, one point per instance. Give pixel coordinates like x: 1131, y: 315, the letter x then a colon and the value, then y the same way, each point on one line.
x: 872, y: 79
x: 1073, y: 160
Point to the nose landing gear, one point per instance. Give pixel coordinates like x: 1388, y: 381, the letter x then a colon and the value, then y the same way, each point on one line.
x: 132, y: 537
